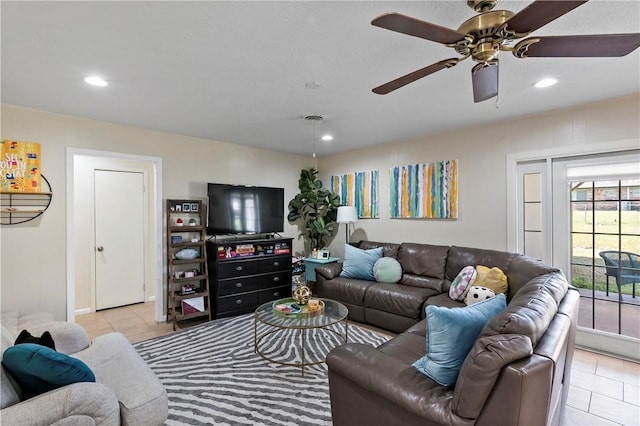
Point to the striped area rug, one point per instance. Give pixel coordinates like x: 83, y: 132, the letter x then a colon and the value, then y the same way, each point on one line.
x: 213, y: 376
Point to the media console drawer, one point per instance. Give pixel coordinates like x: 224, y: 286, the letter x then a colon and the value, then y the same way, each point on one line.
x: 237, y: 285
x: 236, y: 269
x: 274, y: 280
x: 274, y: 264
x: 237, y: 302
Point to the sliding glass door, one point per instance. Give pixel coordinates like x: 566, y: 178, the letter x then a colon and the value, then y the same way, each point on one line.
x: 605, y: 253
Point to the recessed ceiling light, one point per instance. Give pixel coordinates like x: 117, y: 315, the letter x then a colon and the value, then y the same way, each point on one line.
x: 95, y: 81
x: 327, y: 138
x: 545, y: 82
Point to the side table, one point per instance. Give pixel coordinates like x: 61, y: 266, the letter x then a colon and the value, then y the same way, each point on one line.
x: 311, y: 263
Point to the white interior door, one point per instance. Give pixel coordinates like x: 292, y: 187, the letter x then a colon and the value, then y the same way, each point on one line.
x: 119, y: 238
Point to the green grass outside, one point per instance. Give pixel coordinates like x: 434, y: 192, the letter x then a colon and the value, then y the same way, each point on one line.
x: 583, y: 252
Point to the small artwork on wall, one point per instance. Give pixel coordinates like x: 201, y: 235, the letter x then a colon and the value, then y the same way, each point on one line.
x: 358, y: 189
x: 424, y: 191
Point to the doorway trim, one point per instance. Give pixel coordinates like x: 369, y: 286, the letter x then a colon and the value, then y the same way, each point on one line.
x: 601, y: 341
x: 153, y: 259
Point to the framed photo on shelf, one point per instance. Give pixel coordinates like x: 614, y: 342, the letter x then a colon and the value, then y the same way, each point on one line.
x: 194, y: 207
x: 186, y: 207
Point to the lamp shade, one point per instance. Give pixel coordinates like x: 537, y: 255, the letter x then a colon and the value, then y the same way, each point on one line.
x: 347, y: 214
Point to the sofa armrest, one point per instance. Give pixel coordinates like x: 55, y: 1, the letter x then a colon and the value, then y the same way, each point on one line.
x: 329, y: 271
x: 481, y: 369
x: 390, y: 379
x: 90, y: 400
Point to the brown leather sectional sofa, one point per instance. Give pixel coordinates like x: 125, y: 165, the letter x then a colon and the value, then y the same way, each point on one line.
x: 517, y: 372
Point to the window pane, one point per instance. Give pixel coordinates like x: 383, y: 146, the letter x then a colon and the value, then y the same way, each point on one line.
x: 533, y: 217
x: 532, y: 187
x: 533, y: 244
x: 582, y: 249
x: 606, y: 242
x: 581, y: 276
x: 606, y: 217
x: 630, y: 220
x: 582, y: 192
x: 582, y: 217
x: 631, y: 243
x: 630, y: 189
x: 607, y: 190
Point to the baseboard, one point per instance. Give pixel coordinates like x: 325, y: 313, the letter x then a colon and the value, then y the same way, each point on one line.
x: 608, y: 343
x: 83, y: 311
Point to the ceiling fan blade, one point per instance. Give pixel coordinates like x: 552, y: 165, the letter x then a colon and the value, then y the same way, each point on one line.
x: 485, y: 81
x: 578, y: 46
x: 416, y: 75
x: 415, y: 27
x: 540, y: 13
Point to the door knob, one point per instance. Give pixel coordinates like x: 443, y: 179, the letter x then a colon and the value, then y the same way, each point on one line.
x: 100, y: 248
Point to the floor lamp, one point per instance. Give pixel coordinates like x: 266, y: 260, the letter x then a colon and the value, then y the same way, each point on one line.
x: 347, y: 215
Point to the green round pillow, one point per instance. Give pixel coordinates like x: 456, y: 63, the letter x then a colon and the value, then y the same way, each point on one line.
x: 387, y: 270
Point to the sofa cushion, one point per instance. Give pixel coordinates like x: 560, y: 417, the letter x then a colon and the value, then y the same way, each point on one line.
x: 388, y: 249
x: 39, y: 369
x: 461, y: 283
x: 387, y: 270
x: 492, y: 278
x: 397, y: 299
x: 359, y: 263
x: 459, y: 257
x: 143, y: 399
x: 451, y: 333
x: 423, y: 259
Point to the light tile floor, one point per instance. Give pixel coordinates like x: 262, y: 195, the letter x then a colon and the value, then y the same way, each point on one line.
x: 604, y: 390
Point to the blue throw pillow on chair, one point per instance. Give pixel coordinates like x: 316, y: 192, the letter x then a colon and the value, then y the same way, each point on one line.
x: 39, y: 369
x: 451, y: 333
x: 359, y: 263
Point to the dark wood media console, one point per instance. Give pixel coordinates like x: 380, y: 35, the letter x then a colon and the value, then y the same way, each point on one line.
x: 247, y: 273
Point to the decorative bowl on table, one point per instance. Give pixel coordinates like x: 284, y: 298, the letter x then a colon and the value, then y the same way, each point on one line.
x: 289, y: 308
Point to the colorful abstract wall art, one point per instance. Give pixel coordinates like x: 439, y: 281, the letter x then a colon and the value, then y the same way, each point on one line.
x: 424, y: 191
x: 358, y: 189
x: 19, y: 166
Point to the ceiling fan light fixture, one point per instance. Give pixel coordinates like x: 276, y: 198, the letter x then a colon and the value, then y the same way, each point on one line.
x: 545, y: 82
x: 94, y: 80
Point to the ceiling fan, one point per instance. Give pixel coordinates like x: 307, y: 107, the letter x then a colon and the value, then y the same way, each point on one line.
x: 484, y: 35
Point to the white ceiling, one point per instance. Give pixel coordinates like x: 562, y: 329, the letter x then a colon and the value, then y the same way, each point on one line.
x: 236, y: 71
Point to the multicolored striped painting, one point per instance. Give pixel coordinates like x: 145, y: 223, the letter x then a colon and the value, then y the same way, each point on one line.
x: 358, y: 189
x: 424, y: 190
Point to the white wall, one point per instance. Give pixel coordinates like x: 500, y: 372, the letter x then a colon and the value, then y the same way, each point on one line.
x: 33, y: 272
x: 481, y: 153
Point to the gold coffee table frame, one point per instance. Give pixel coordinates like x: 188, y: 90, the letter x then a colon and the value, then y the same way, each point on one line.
x: 334, y: 313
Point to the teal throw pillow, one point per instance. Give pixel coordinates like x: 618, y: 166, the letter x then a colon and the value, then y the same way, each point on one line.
x: 359, y: 263
x: 451, y: 333
x: 39, y: 369
x: 387, y: 270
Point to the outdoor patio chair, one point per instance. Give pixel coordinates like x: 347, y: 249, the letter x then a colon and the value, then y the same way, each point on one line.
x: 624, y: 266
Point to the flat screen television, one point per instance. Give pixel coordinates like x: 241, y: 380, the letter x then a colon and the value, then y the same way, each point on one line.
x: 239, y: 209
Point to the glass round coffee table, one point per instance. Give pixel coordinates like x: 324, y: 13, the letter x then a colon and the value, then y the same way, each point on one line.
x: 299, y: 341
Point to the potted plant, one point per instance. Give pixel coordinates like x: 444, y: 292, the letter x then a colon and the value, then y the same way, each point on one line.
x: 317, y: 207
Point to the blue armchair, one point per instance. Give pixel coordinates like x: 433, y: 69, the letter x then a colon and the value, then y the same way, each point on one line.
x: 624, y: 266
